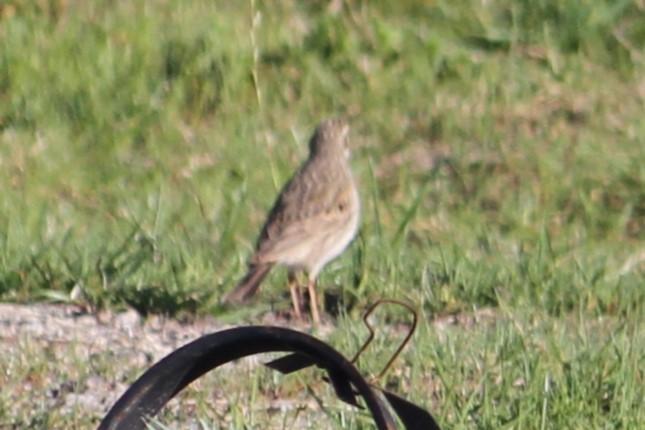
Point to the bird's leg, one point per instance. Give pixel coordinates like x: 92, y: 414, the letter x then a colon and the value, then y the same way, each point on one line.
x: 313, y: 301
x: 295, y: 295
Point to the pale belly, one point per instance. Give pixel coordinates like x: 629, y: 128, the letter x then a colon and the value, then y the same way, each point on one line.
x: 314, y: 254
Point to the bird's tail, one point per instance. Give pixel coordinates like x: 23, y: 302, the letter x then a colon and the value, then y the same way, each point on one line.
x: 249, y: 285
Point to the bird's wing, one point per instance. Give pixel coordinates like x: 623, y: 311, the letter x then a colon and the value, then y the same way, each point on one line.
x: 307, y: 207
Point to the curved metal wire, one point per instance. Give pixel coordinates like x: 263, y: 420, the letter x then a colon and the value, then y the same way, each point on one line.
x: 372, y: 332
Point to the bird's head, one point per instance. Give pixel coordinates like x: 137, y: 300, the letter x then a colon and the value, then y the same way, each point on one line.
x: 331, y: 138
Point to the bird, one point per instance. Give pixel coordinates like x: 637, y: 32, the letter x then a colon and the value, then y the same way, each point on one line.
x: 313, y: 220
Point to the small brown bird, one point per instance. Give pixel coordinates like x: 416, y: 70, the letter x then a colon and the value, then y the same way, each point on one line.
x: 313, y: 220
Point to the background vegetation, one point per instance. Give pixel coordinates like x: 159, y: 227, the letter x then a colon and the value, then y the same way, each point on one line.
x: 500, y: 148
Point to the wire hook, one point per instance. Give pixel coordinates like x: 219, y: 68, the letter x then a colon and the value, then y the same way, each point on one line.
x: 372, y: 332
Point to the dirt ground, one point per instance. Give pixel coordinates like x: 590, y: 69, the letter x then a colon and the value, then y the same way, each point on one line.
x: 47, y: 353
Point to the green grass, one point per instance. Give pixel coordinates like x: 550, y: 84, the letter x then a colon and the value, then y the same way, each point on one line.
x: 500, y: 148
